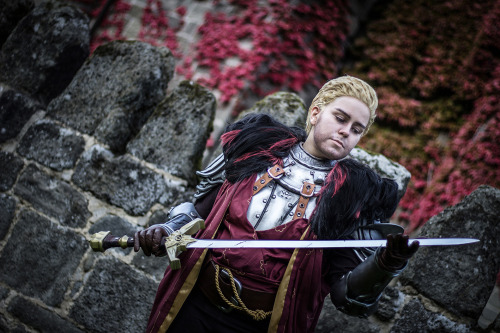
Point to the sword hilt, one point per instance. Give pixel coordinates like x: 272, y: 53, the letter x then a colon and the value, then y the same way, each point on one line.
x: 174, y: 243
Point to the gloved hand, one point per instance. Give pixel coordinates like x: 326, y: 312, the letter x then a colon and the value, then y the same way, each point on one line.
x: 397, y: 252
x: 150, y: 240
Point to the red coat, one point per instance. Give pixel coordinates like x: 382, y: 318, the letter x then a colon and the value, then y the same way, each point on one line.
x: 295, y: 275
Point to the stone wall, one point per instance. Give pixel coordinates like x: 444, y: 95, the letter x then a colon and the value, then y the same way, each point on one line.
x: 95, y: 143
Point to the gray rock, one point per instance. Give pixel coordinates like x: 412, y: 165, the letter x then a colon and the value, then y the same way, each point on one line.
x: 10, y: 15
x: 53, y: 197
x: 288, y: 108
x: 158, y: 217
x: 114, y: 296
x: 332, y: 320
x: 51, y: 145
x: 154, y: 266
x: 384, y: 168
x: 389, y: 304
x: 115, y: 91
x: 35, y: 259
x: 415, y: 318
x: 460, y: 278
x: 174, y: 138
x: 120, y: 180
x: 16, y: 108
x: 11, y: 165
x: 41, y: 319
x: 4, y: 292
x: 7, y: 210
x: 45, y: 50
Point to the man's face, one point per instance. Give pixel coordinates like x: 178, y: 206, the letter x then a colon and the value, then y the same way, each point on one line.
x: 337, y: 129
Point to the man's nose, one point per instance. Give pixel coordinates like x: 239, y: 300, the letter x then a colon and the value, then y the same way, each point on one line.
x: 344, y: 131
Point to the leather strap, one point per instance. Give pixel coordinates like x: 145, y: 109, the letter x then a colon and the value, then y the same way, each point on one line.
x: 305, y: 194
x: 272, y: 173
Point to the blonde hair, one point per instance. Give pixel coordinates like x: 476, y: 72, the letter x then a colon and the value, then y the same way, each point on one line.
x: 345, y: 86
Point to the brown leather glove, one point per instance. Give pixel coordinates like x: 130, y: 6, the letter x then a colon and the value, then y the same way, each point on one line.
x: 150, y: 241
x: 397, y: 252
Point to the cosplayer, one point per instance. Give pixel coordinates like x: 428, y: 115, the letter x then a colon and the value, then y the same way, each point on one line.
x: 276, y: 182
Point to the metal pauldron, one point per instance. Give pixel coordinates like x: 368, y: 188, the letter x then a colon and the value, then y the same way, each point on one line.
x: 210, y: 177
x: 179, y: 216
x: 357, y: 293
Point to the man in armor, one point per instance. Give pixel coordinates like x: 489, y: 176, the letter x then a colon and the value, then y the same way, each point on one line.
x: 276, y: 182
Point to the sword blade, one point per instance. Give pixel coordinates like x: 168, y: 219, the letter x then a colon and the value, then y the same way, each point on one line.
x: 314, y: 244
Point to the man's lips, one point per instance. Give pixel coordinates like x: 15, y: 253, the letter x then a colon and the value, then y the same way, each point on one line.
x: 340, y: 143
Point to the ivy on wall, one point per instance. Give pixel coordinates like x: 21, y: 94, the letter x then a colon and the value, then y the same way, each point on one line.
x: 435, y: 66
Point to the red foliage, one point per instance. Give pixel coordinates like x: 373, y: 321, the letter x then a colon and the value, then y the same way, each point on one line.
x: 444, y: 58
x: 274, y: 47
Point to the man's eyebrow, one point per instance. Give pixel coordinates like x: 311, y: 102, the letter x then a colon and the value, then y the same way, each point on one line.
x: 349, y: 116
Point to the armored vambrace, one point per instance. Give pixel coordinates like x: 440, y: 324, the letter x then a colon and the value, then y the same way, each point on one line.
x: 180, y: 215
x: 357, y: 293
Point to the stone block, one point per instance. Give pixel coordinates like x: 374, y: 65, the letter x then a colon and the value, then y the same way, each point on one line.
x: 384, y: 168
x: 115, y: 91
x: 16, y: 108
x: 40, y: 319
x: 389, y: 304
x: 288, y: 108
x: 53, y: 197
x: 45, y: 50
x: 40, y: 258
x: 121, y: 180
x: 155, y: 266
x: 11, y: 165
x: 416, y: 318
x: 114, y: 297
x: 175, y: 136
x: 460, y: 278
x: 51, y: 145
x: 7, y: 210
x: 10, y: 15
x: 332, y: 320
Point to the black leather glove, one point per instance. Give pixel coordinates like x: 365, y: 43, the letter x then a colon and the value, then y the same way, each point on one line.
x: 150, y: 240
x: 397, y: 252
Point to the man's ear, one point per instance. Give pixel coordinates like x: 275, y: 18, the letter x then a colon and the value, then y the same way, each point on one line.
x: 313, y: 118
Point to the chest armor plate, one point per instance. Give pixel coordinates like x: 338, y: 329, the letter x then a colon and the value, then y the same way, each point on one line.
x: 276, y: 203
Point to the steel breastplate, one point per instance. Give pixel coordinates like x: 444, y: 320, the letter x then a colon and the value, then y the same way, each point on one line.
x: 275, y: 204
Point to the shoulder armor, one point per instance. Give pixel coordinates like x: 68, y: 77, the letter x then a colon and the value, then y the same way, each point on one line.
x: 212, y: 176
x: 376, y: 230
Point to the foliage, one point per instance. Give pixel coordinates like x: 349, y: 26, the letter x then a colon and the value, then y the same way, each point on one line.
x: 437, y: 72
x: 435, y: 66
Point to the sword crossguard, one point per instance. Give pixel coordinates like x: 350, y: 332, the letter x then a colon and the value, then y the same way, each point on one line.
x: 179, y: 240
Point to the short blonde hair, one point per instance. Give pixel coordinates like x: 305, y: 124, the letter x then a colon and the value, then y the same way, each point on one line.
x: 345, y: 86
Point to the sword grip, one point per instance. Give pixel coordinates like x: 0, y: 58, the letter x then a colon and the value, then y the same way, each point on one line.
x: 103, y: 240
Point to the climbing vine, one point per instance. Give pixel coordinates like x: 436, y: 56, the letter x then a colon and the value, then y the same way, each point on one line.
x: 435, y: 66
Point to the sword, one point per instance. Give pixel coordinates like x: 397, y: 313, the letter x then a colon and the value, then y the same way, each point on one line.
x: 181, y: 240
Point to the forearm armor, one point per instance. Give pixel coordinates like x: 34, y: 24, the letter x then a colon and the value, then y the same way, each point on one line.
x: 180, y: 215
x: 357, y: 292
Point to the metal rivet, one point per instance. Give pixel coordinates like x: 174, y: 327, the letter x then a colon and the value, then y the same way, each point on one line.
x: 255, y: 188
x: 274, y: 196
x: 290, y: 204
x: 262, y: 181
x: 257, y: 216
x: 291, y: 214
x: 299, y: 214
x: 264, y: 201
x: 301, y: 205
